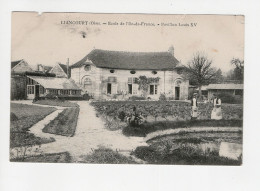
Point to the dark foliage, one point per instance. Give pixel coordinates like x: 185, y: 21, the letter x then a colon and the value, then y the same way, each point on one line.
x: 182, y: 156
x: 228, y: 98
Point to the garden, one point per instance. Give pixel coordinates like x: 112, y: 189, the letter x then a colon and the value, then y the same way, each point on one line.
x: 116, y: 114
x: 65, y: 123
x: 140, y: 118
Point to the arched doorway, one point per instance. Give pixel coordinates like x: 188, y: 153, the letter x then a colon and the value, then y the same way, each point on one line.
x: 87, y: 85
x: 177, y: 89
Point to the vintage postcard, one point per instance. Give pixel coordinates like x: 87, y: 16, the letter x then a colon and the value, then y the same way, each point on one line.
x: 127, y: 88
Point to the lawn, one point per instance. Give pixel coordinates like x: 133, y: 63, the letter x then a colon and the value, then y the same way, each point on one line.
x: 64, y: 124
x: 22, y: 118
x: 56, y: 102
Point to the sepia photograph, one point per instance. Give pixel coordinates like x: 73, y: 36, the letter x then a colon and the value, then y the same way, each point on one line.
x: 143, y: 89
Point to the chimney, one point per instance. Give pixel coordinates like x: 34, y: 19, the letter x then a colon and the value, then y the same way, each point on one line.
x: 40, y: 68
x: 68, y: 61
x: 171, y: 50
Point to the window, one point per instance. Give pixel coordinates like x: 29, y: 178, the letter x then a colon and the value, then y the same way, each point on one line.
x: 30, y: 89
x: 153, y: 89
x: 75, y: 92
x: 42, y: 90
x: 53, y: 92
x: 64, y: 92
x: 179, y: 71
x: 30, y: 81
x: 112, y: 71
x: 178, y: 83
x: 132, y: 80
x: 87, y: 68
x: 112, y: 79
x: 132, y: 85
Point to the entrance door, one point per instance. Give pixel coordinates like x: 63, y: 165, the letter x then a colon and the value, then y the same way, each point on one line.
x: 37, y: 91
x: 177, y: 93
x: 130, y: 88
x: 109, y: 87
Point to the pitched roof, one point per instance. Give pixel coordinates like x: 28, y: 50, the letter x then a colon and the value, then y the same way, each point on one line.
x: 47, y: 68
x: 203, y: 88
x: 14, y: 63
x: 226, y: 86
x: 63, y: 67
x: 129, y: 60
x: 55, y: 83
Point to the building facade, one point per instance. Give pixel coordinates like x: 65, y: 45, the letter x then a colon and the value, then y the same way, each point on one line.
x: 42, y: 86
x: 232, y: 89
x: 114, y: 74
x: 20, y: 66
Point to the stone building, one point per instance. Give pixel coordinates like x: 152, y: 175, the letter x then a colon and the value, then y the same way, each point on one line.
x: 107, y: 74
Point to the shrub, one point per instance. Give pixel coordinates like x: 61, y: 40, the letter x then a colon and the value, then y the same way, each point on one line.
x: 135, y: 98
x: 107, y: 156
x: 50, y: 96
x: 86, y: 96
x: 121, y: 115
x: 228, y: 98
x: 162, y: 97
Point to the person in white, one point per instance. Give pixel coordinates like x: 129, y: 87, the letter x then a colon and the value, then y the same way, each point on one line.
x: 194, y: 107
x: 216, y: 112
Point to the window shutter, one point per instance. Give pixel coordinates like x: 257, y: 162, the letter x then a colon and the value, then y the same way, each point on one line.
x: 114, y: 89
x: 135, y: 89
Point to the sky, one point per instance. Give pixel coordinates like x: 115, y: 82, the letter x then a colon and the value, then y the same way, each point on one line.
x: 45, y: 39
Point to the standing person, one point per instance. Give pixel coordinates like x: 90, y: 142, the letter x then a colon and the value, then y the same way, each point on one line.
x: 216, y: 112
x: 194, y: 107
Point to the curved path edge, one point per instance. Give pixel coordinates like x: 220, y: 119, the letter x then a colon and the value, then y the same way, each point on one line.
x: 191, y: 130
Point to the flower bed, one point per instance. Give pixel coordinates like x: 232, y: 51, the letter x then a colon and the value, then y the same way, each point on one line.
x: 165, y: 110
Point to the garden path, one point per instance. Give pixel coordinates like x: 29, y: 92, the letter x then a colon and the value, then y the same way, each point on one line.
x: 90, y: 134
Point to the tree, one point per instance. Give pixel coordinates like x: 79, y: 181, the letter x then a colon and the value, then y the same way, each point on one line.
x: 200, y: 72
x: 238, y: 73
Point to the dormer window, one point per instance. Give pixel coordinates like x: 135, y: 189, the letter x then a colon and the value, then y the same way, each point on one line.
x: 87, y: 68
x: 180, y: 71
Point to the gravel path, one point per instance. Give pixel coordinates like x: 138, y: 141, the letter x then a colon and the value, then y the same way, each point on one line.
x: 90, y: 134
